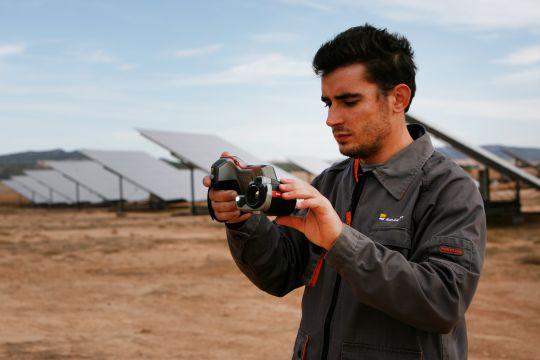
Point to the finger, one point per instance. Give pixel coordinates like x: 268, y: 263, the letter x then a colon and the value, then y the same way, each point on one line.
x: 224, y: 206
x: 313, y: 203
x: 239, y: 219
x: 225, y: 154
x: 288, y: 181
x: 222, y: 195
x: 294, y: 184
x: 207, y: 181
x: 227, y: 215
x: 286, y: 187
x: 295, y: 222
x: 301, y: 193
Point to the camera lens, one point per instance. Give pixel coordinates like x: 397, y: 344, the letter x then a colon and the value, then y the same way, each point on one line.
x: 255, y: 195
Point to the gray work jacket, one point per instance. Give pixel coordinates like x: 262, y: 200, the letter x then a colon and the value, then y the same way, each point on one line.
x: 398, y: 280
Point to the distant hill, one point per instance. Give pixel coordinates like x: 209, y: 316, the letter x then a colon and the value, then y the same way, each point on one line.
x: 15, y: 164
x: 32, y: 157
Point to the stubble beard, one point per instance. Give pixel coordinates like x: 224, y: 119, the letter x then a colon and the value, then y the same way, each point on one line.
x: 367, y: 150
x: 378, y: 132
x: 362, y: 151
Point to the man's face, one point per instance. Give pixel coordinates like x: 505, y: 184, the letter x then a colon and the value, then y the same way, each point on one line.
x: 358, y: 112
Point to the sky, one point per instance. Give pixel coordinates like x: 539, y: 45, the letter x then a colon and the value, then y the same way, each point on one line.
x: 86, y: 74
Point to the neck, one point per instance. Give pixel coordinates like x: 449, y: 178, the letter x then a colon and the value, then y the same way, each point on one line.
x: 397, y: 141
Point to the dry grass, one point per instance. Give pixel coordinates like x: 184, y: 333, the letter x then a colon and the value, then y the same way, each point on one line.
x: 531, y: 259
x: 90, y: 285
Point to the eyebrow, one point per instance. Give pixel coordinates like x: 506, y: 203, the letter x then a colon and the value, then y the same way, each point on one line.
x: 344, y: 96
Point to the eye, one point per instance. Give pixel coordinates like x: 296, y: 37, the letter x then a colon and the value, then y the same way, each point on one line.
x: 350, y: 103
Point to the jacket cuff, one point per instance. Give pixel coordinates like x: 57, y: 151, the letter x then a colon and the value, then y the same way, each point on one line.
x: 238, y: 238
x: 345, y: 247
x: 242, y: 231
x: 235, y: 226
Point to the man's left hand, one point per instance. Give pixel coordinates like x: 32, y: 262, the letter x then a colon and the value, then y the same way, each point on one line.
x: 321, y: 225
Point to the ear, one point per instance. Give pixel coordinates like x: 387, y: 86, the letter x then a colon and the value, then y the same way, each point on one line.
x: 402, y: 98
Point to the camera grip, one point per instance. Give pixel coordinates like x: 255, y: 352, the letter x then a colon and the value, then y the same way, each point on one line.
x: 221, y: 185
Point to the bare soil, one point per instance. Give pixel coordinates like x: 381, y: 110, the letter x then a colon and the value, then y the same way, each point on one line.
x: 92, y: 285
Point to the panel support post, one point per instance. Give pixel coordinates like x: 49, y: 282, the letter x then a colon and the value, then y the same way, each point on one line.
x: 192, y: 173
x: 484, y: 184
x: 120, y: 193
x: 518, y: 194
x: 77, y: 194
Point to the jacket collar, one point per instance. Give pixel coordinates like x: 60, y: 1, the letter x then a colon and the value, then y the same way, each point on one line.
x: 397, y: 173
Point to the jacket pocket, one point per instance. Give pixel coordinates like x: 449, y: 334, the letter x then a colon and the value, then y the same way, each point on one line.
x: 394, y: 238
x: 357, y: 351
x: 300, y: 346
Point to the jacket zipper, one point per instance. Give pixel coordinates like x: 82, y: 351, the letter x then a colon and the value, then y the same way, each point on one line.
x: 357, y: 192
x: 329, y: 316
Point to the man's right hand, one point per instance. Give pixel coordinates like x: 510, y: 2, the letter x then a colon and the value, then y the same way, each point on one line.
x: 224, y: 204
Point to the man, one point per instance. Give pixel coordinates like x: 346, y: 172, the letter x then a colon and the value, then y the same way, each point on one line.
x: 389, y: 243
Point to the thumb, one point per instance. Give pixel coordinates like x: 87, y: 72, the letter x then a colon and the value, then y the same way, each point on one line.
x: 207, y: 181
x: 295, y: 222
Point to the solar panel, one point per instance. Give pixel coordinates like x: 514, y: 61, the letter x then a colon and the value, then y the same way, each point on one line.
x: 521, y: 156
x: 312, y: 165
x: 481, y: 155
x: 452, y: 153
x: 498, y: 151
x: 94, y: 177
x: 20, y: 189
x: 42, y: 194
x: 62, y: 185
x: 157, y: 177
x: 530, y: 154
x: 202, y: 150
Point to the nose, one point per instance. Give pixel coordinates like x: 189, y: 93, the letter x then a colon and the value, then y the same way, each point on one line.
x: 334, y: 117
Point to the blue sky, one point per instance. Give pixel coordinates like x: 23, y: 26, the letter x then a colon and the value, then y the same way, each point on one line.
x: 84, y: 74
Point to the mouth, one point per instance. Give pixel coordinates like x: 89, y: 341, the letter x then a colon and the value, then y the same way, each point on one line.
x: 341, y: 137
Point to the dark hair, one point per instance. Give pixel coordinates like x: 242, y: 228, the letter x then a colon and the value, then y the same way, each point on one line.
x: 388, y: 57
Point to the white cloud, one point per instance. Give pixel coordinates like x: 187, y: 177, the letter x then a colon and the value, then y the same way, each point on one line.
x: 479, y: 14
x: 263, y: 69
x: 70, y: 92
x: 11, y: 49
x: 279, y: 37
x: 183, y: 53
x: 527, y: 110
x: 126, y: 67
x: 520, y: 78
x: 488, y: 36
x: 524, y: 56
x: 99, y: 56
x: 316, y: 5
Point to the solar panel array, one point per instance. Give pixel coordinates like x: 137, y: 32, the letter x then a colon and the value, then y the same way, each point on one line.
x: 157, y: 177
x: 95, y: 178
x: 63, y: 186
x: 202, y: 150
x: 42, y: 194
x: 20, y: 189
x: 481, y: 155
x: 135, y: 176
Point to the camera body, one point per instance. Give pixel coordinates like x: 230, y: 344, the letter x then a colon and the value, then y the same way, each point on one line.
x: 257, y: 187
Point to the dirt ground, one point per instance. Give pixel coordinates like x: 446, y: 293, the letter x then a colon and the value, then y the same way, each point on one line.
x: 91, y: 285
